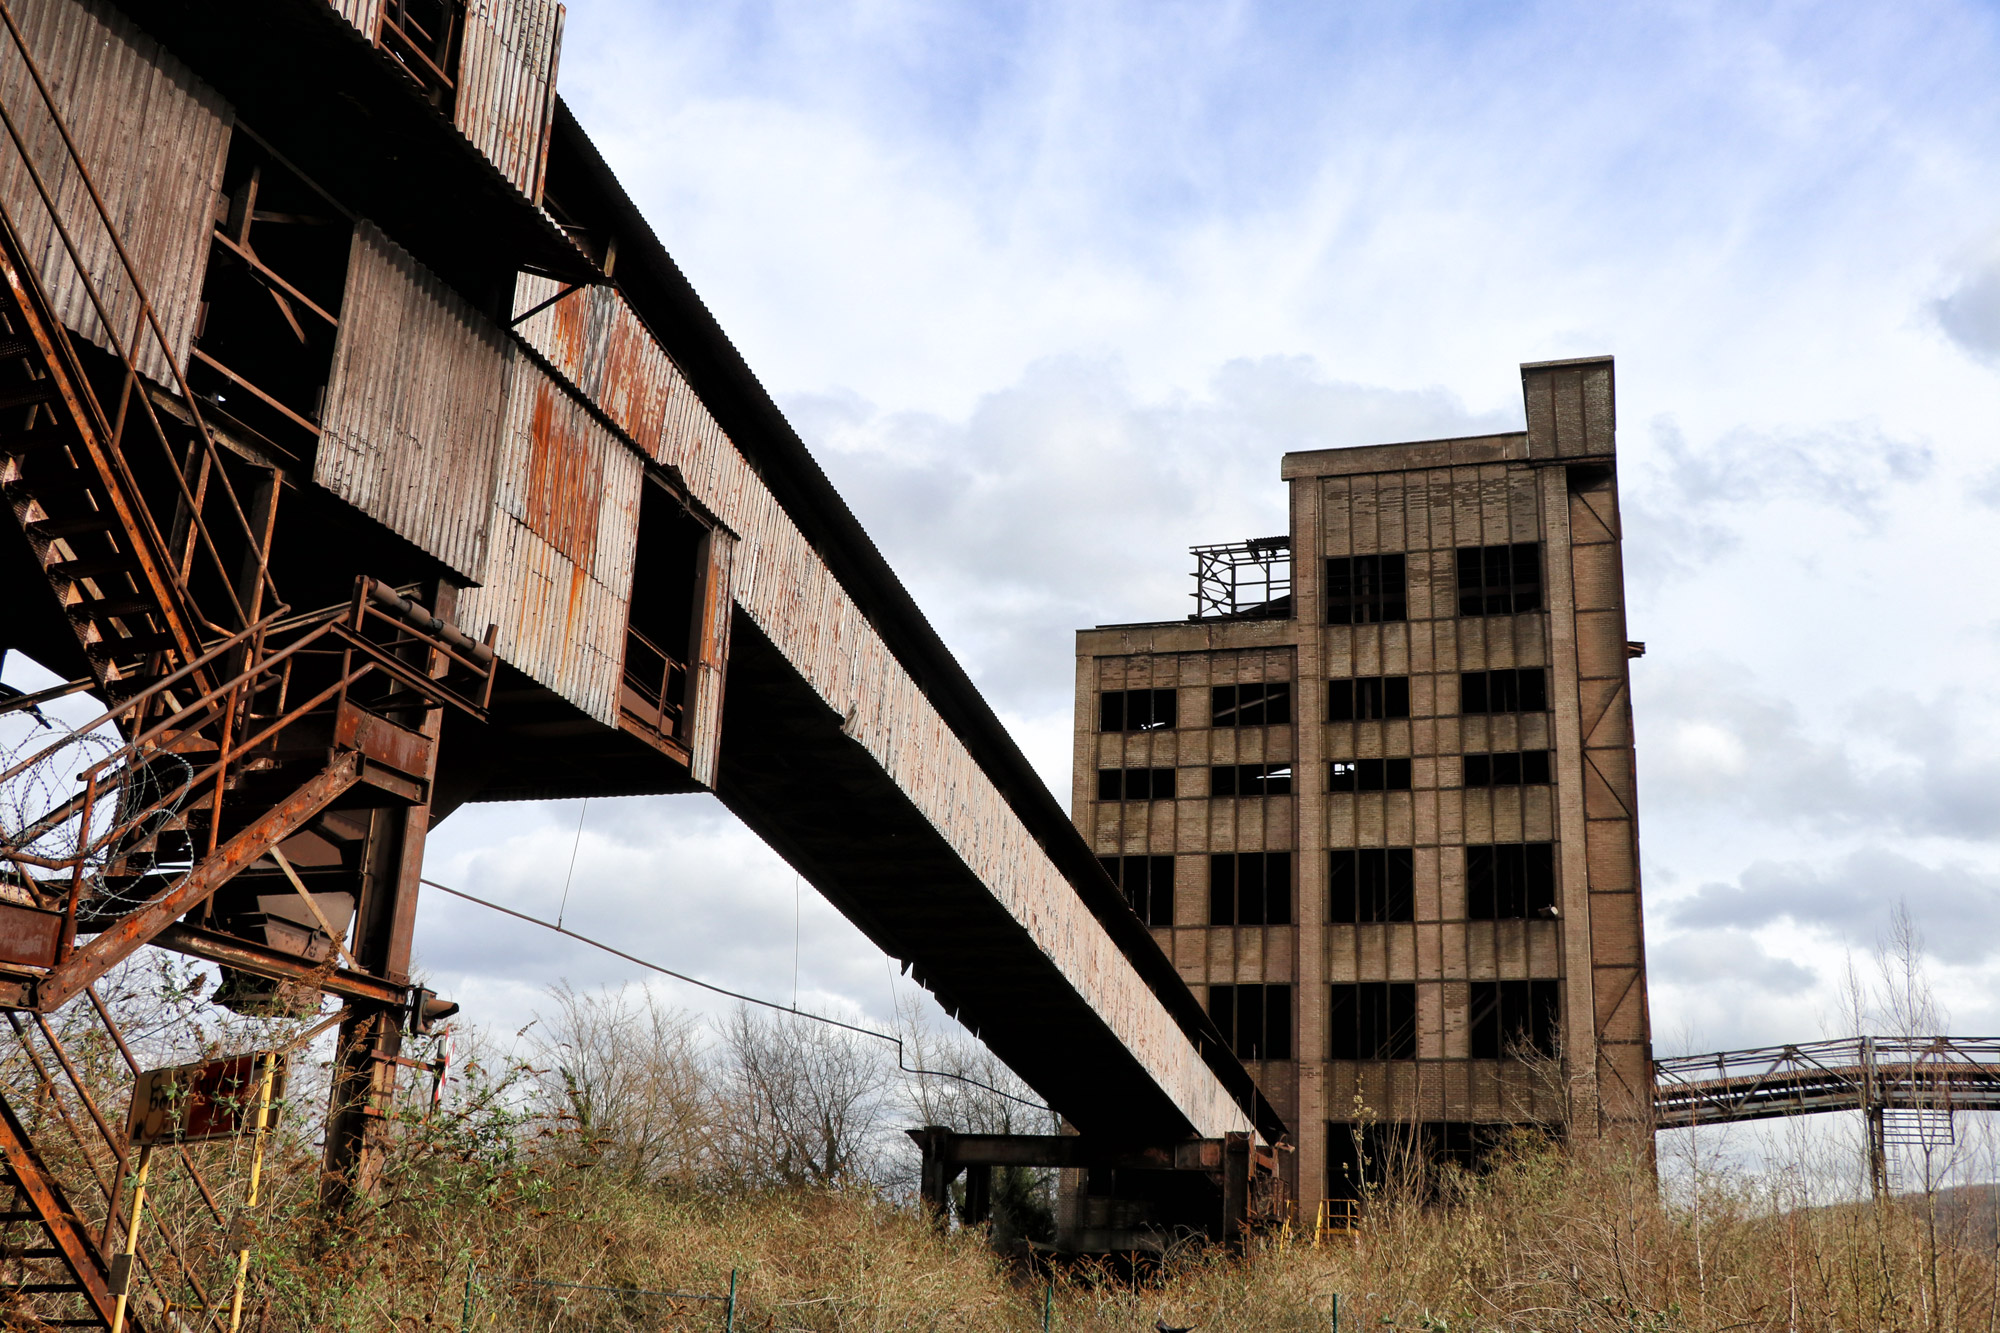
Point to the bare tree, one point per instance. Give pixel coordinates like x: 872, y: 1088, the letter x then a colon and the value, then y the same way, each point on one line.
x: 962, y: 1085
x: 630, y: 1072
x: 805, y: 1102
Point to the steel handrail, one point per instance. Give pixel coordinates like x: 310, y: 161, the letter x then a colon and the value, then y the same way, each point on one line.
x: 146, y: 695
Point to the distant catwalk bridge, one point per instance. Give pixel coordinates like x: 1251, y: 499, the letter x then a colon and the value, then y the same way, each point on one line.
x: 1907, y: 1087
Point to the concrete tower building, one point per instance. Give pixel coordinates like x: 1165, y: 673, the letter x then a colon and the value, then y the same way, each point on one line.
x: 1376, y: 798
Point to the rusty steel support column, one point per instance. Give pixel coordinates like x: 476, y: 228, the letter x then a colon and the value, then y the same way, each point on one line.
x: 371, y: 1040
x: 1237, y: 1158
x: 1873, y: 1109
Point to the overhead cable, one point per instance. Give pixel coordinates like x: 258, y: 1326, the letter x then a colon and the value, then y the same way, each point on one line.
x: 791, y: 1009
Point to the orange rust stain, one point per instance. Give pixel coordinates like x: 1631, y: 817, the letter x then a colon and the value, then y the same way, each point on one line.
x: 565, y: 481
x: 636, y: 382
x: 576, y: 582
x: 571, y: 332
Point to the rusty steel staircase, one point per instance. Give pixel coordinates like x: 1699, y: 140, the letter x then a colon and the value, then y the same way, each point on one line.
x: 232, y: 741
x: 231, y: 725
x: 67, y: 1261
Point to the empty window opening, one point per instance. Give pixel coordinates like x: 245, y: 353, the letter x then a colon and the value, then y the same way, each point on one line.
x: 1513, y: 1018
x: 1508, y: 881
x: 1373, y: 1020
x: 1367, y: 698
x: 270, y: 301
x: 1365, y: 589
x: 1266, y: 705
x: 425, y: 37
x: 1256, y: 1019
x: 1499, y: 580
x: 1514, y: 768
x: 1518, y: 690
x: 1137, y: 710
x: 1371, y: 884
x: 1148, y: 882
x: 1250, y: 889
x: 1250, y: 780
x: 1368, y: 775
x: 663, y: 619
x: 1362, y: 1157
x: 1135, y: 784
x: 1246, y: 580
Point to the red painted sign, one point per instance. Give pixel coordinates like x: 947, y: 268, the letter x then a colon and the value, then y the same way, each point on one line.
x: 215, y: 1099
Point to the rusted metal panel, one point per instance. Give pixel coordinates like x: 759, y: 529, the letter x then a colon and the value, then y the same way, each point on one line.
x: 506, y: 84
x: 382, y: 741
x: 152, y: 137
x: 713, y: 602
x: 412, y: 418
x: 365, y: 15
x: 30, y: 935
x: 564, y: 531
x: 595, y: 341
x: 211, y: 1099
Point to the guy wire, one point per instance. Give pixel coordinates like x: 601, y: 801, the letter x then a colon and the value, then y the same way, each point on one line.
x: 792, y: 1009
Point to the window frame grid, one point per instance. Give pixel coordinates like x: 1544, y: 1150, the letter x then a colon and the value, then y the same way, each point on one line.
x: 1120, y: 702
x: 1122, y: 777
x: 1393, y: 773
x: 1366, y: 589
x: 1350, y: 895
x: 1500, y: 580
x: 1226, y: 882
x: 1528, y: 768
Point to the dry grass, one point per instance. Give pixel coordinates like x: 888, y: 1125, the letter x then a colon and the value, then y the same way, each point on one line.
x: 1548, y: 1240
x: 498, y: 1186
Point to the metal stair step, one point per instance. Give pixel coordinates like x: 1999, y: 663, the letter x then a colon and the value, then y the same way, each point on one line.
x: 132, y: 645
x: 39, y: 392
x: 91, y: 569
x: 103, y: 608
x: 48, y: 529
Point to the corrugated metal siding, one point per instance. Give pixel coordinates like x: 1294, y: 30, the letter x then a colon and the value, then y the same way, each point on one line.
x: 563, y: 534
x: 153, y: 138
x: 711, y: 658
x: 781, y: 583
x: 506, y: 84
x: 412, y: 418
x: 592, y: 337
x: 365, y: 15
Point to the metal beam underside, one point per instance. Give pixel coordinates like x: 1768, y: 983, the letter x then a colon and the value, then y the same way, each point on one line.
x: 823, y: 803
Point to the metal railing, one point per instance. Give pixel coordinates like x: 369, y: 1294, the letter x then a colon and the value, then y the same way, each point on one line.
x: 655, y: 684
x: 103, y: 852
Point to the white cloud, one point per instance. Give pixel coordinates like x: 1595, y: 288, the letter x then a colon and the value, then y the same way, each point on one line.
x: 1049, y: 288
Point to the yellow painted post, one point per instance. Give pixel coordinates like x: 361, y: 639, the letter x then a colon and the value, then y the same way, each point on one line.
x: 132, y: 1236
x: 250, y: 1200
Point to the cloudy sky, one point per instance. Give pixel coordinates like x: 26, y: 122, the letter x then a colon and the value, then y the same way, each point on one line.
x: 1050, y: 287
